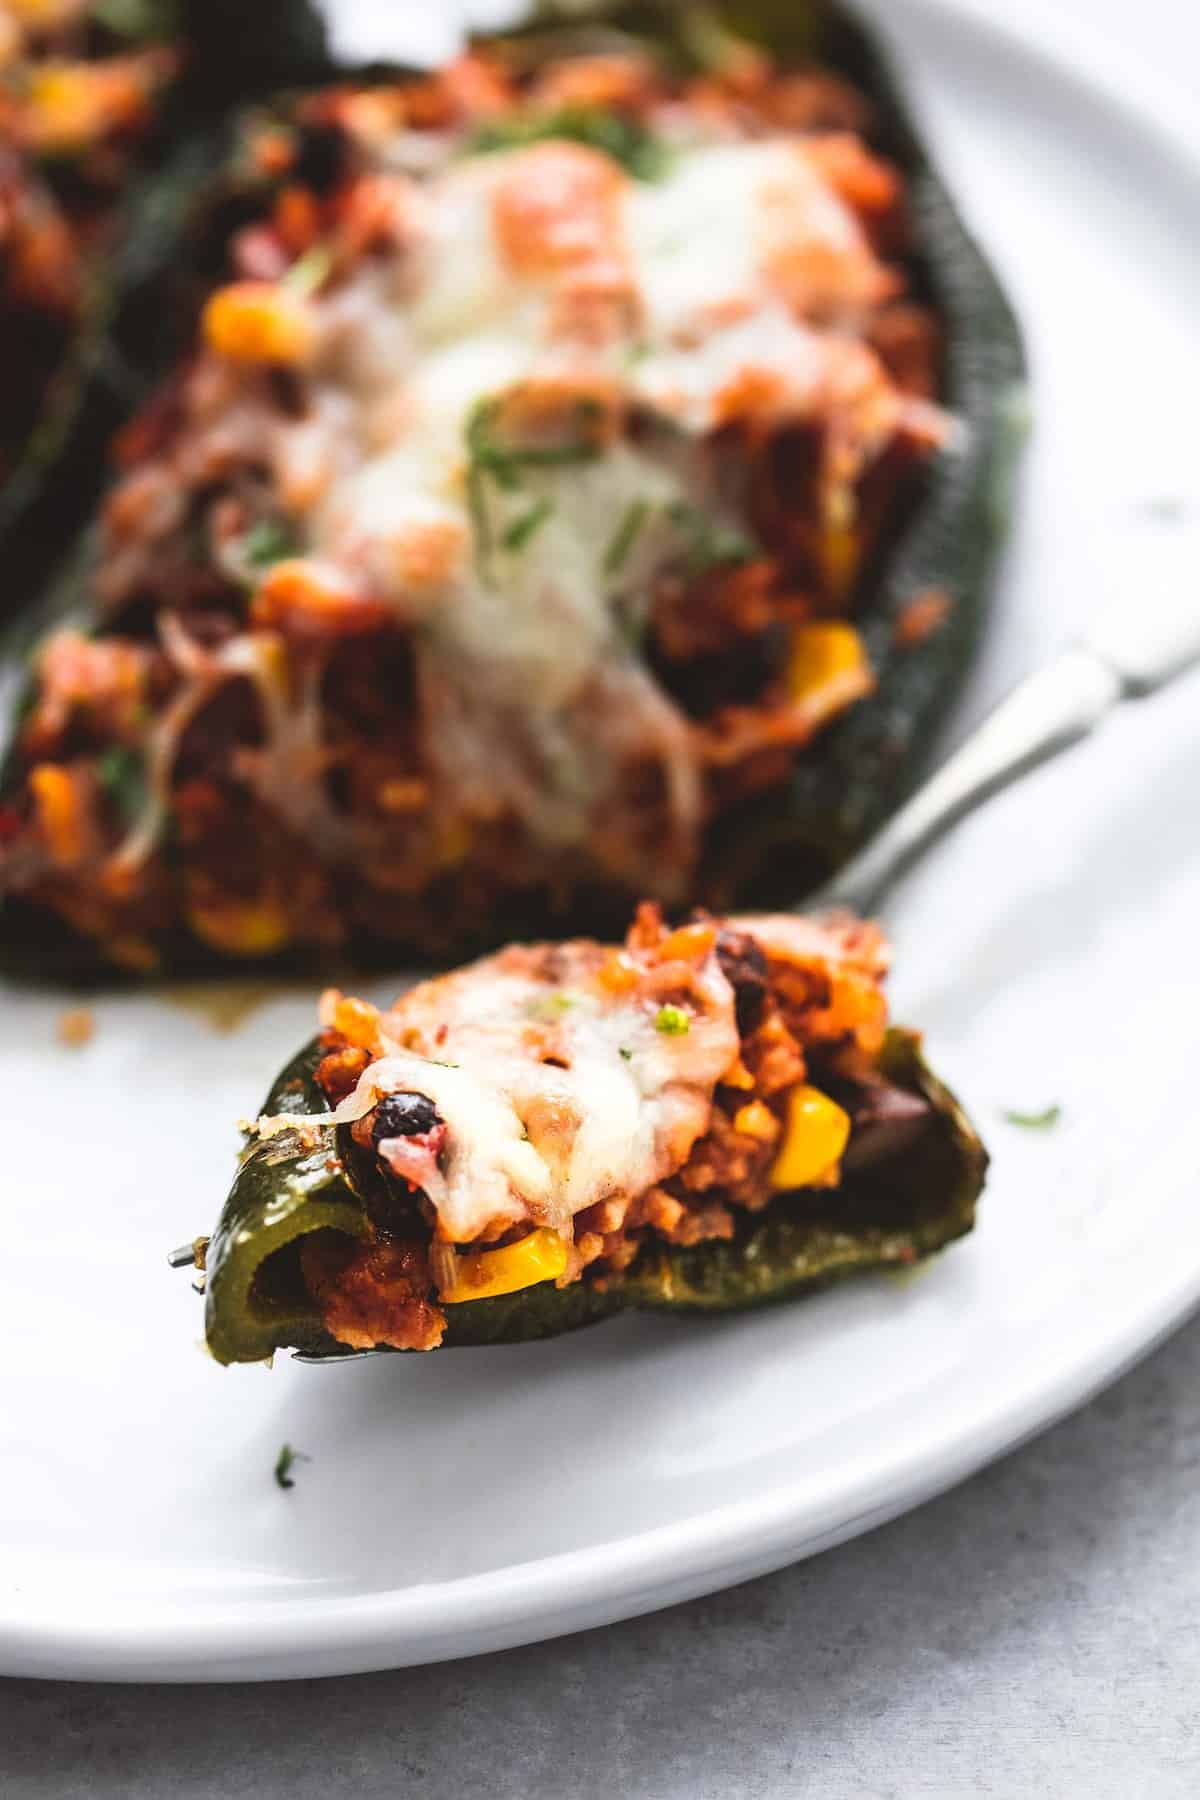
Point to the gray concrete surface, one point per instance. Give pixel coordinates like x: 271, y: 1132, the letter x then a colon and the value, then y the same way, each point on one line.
x: 1037, y: 1631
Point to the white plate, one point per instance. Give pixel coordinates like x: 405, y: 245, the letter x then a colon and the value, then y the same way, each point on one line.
x: 459, y: 1503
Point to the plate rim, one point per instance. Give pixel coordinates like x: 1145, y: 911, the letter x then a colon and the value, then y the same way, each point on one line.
x: 531, y: 1601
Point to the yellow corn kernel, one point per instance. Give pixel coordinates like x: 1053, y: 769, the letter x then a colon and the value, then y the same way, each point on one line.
x: 823, y: 651
x: 69, y: 105
x: 814, y: 1138
x: 757, y: 1121
x: 542, y: 1256
x: 56, y: 800
x: 259, y: 321
x: 61, y: 105
x: 241, y: 927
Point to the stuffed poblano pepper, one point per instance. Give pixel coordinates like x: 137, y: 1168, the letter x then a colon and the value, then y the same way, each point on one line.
x: 580, y: 486
x: 102, y: 104
x: 81, y: 91
x: 704, y: 1118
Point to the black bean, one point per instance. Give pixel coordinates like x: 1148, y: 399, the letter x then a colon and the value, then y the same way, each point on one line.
x: 322, y: 157
x: 403, y: 1115
x: 886, y: 1121
x: 745, y: 968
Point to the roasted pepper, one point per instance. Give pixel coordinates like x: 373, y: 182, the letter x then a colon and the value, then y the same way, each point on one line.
x: 889, y: 1212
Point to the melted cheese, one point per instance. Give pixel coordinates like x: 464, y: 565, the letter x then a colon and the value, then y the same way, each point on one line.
x: 528, y: 1139
x: 534, y: 699
x: 695, y: 235
x: 684, y: 298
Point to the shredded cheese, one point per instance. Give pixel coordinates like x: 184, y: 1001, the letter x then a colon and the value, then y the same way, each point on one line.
x: 548, y: 1107
x: 544, y: 269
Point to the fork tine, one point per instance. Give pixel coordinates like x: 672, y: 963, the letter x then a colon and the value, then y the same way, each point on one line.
x: 184, y: 1257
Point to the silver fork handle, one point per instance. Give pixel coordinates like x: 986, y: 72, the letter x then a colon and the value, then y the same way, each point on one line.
x: 1146, y: 633
x: 1046, y: 713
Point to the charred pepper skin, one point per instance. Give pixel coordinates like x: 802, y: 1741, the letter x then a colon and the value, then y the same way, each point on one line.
x: 887, y: 1215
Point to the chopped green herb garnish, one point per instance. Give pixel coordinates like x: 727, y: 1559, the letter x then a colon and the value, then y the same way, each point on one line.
x: 283, y: 1465
x: 708, y: 543
x: 623, y: 539
x: 477, y: 506
x: 627, y: 1055
x: 626, y: 140
x: 1036, y: 1121
x: 122, y: 773
x: 491, y: 456
x: 308, y: 271
x: 487, y: 453
x: 522, y: 529
x: 268, y: 541
x: 504, y: 461
x: 672, y: 1021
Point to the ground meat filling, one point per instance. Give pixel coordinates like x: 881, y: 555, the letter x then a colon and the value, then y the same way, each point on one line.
x: 377, y: 1293
x: 810, y: 1019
